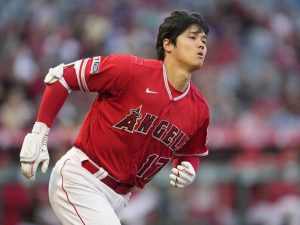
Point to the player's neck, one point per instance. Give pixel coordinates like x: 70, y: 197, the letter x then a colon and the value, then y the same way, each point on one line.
x: 178, y: 77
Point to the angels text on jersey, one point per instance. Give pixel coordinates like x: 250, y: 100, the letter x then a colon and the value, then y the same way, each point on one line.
x: 164, y: 131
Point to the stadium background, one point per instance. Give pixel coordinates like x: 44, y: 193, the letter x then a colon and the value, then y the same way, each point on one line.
x: 251, y: 80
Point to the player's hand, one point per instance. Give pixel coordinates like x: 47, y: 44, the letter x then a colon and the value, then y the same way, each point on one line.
x: 34, y: 151
x: 183, y: 175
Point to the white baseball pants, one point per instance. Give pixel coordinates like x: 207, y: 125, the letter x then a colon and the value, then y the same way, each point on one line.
x: 78, y: 197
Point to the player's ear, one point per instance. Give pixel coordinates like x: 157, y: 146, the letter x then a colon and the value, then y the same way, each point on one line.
x: 168, y: 45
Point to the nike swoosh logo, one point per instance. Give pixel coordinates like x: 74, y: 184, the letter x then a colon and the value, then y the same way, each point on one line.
x: 148, y: 91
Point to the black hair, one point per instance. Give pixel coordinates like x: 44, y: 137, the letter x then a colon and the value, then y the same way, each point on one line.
x: 176, y: 24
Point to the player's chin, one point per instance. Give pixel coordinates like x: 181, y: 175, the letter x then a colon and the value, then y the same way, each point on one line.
x: 197, y: 66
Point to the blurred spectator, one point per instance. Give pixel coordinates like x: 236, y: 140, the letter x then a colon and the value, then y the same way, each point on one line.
x: 17, y: 203
x: 16, y: 112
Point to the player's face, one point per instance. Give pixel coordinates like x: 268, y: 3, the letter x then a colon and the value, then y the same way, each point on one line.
x: 190, y: 49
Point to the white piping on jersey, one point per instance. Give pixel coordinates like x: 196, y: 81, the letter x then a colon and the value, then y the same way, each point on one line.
x: 77, y: 69
x: 64, y: 83
x: 201, y: 154
x: 184, y: 94
x: 83, y: 77
x: 166, y: 82
x: 168, y: 88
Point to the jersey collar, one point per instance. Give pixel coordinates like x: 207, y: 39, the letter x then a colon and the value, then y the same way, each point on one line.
x: 168, y: 88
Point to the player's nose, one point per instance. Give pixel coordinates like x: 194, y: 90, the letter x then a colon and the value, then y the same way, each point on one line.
x: 200, y: 45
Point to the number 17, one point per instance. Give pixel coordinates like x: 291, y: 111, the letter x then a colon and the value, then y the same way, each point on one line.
x: 152, y: 165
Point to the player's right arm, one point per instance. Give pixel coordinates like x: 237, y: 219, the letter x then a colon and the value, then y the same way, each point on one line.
x: 34, y: 149
x: 98, y: 74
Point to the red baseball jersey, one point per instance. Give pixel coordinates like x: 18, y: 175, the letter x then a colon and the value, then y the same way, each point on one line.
x: 135, y: 125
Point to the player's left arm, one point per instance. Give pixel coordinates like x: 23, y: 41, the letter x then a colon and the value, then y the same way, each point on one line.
x: 184, y: 170
x: 186, y: 160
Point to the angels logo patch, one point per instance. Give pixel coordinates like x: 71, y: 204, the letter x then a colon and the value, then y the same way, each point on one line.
x: 95, y: 65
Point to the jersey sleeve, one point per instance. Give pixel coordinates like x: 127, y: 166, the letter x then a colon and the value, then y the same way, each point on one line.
x: 198, y: 144
x: 53, y: 99
x: 109, y: 74
x: 194, y: 160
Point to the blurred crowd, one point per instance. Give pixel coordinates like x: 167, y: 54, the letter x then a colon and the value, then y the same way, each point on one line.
x: 251, y: 79
x: 251, y: 75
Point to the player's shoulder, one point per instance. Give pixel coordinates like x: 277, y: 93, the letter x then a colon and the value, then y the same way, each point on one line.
x: 198, y: 98
x: 137, y: 61
x: 147, y: 63
x: 120, y: 57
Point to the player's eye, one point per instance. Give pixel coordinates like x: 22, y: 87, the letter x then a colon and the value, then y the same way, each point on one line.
x: 192, y: 37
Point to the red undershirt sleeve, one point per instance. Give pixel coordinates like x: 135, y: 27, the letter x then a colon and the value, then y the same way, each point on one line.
x: 194, y: 160
x: 53, y: 99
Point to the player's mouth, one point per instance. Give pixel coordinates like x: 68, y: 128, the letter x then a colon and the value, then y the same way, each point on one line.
x: 200, y: 54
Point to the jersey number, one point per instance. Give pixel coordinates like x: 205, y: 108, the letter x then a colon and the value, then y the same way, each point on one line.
x: 152, y: 165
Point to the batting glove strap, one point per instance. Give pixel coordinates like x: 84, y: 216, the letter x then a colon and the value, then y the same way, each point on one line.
x: 54, y: 74
x: 183, y: 175
x: 34, y: 150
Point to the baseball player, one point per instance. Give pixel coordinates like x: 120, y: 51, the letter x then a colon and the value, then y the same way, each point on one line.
x: 146, y: 114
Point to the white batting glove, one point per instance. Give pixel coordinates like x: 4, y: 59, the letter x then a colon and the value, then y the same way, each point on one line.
x: 34, y: 151
x: 183, y: 175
